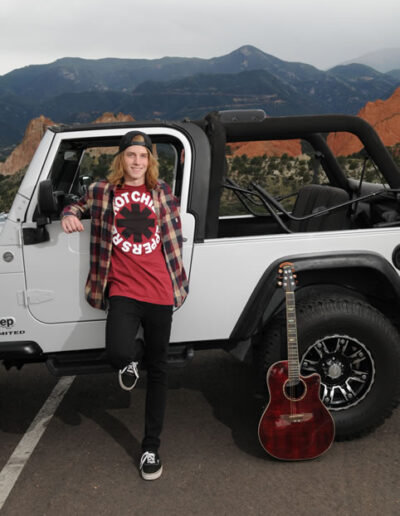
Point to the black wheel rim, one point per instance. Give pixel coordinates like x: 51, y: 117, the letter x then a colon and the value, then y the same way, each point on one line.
x: 346, y: 368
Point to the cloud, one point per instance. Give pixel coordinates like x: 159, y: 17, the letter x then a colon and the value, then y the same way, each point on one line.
x: 312, y: 31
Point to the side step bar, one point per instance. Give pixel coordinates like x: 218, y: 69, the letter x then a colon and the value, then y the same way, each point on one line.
x: 67, y: 364
x: 92, y: 362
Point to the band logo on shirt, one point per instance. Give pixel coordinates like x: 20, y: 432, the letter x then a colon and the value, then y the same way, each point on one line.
x: 135, y: 228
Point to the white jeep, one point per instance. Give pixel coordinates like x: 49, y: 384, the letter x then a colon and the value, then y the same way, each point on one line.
x: 338, y: 221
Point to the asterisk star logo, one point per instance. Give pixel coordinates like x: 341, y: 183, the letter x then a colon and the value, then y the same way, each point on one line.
x: 136, y: 223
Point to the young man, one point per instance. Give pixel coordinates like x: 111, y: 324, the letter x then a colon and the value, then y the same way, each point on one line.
x: 136, y: 271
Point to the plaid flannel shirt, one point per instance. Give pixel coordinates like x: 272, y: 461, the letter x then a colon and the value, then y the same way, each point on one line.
x: 99, y: 202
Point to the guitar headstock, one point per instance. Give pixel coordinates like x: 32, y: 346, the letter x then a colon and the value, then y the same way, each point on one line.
x: 287, y: 277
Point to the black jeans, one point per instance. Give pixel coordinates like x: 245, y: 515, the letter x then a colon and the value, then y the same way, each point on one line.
x: 123, y: 320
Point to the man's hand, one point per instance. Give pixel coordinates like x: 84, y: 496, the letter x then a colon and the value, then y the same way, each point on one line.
x: 70, y: 224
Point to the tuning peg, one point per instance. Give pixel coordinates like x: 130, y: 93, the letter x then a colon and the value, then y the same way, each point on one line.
x: 279, y: 283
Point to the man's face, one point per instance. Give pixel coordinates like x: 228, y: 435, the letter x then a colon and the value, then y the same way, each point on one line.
x: 136, y: 161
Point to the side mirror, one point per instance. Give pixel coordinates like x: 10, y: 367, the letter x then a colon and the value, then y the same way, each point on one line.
x: 48, y: 206
x: 48, y: 202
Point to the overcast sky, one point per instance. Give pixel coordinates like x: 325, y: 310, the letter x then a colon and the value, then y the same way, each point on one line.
x: 319, y: 32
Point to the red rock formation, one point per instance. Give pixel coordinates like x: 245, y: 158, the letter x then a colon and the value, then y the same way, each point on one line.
x: 269, y: 148
x: 108, y: 117
x: 23, y: 153
x: 383, y: 115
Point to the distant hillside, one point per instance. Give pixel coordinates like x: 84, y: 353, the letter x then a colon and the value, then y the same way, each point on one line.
x: 79, y: 90
x: 382, y: 60
x: 196, y: 95
x: 75, y: 75
x: 395, y: 74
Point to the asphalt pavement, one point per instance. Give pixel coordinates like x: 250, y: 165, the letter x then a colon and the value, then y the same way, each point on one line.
x: 86, y: 461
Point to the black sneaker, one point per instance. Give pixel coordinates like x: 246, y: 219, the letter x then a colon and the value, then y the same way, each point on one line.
x: 150, y: 465
x: 128, y: 376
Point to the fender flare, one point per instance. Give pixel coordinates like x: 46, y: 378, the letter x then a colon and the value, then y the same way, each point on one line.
x: 349, y: 267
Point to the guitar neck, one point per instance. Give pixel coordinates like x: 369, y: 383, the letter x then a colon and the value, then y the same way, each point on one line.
x: 292, y: 344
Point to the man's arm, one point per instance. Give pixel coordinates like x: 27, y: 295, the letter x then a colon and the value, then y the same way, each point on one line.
x: 71, y: 215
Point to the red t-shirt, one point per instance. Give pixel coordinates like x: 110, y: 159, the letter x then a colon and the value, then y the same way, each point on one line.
x: 138, y: 269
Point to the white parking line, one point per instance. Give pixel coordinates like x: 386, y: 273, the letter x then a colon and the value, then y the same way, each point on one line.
x: 11, y: 471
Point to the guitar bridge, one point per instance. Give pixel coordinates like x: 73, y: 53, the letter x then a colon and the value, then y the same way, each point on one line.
x: 296, y: 418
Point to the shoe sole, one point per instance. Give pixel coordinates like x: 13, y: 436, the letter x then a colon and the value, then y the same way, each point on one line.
x: 151, y: 476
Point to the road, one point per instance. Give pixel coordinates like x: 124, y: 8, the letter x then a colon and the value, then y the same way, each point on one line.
x: 86, y: 460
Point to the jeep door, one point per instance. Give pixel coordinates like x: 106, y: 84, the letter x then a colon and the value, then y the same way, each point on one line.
x: 56, y: 269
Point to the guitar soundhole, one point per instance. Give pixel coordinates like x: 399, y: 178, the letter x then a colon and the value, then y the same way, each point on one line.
x: 294, y: 390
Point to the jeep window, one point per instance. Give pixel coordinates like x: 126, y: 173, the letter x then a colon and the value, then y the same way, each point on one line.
x: 267, y: 188
x: 81, y: 162
x: 96, y: 162
x: 281, y: 167
x: 355, y: 162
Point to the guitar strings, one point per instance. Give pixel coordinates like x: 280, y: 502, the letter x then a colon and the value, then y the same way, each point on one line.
x: 291, y: 340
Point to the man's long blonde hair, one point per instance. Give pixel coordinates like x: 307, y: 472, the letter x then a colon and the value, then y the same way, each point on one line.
x: 116, y: 177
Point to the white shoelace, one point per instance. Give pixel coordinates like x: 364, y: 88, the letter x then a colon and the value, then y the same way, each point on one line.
x: 131, y: 368
x: 149, y: 457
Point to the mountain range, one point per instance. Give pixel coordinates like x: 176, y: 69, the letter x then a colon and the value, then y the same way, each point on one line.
x: 383, y: 115
x: 73, y: 90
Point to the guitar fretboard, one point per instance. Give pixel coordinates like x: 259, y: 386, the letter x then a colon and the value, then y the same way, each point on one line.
x: 292, y: 346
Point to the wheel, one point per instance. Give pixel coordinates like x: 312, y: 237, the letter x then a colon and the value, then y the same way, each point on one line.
x: 356, y: 351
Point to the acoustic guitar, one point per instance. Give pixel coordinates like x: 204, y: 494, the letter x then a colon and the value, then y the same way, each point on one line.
x: 295, y: 425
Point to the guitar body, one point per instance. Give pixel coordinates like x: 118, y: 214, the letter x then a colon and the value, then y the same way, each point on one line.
x: 297, y: 425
